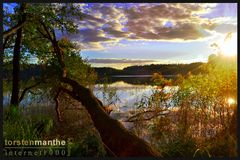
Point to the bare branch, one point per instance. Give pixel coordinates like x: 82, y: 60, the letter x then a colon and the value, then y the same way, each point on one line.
x: 13, y: 29
x: 155, y: 113
x: 26, y: 89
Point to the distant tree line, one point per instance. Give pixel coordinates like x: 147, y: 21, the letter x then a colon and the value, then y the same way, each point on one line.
x: 165, y: 69
x: 29, y: 71
x: 35, y: 70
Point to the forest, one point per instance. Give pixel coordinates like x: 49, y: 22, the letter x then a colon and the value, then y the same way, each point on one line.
x: 165, y: 69
x: 34, y: 70
x: 196, y: 120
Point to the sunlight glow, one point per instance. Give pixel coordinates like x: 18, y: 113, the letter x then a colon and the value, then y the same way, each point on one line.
x: 231, y: 101
x: 229, y: 45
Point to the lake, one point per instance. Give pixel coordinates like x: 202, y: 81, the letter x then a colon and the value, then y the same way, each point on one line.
x: 121, y: 95
x: 132, y: 79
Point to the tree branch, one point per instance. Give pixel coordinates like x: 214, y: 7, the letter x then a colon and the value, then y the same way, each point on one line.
x: 46, y: 29
x: 13, y: 29
x: 44, y: 35
x: 26, y: 89
x: 156, y: 113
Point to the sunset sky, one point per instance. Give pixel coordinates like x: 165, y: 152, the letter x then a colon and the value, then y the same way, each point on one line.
x: 119, y: 35
x: 122, y: 34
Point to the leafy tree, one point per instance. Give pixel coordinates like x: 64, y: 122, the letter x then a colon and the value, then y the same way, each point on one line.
x: 45, y: 21
x: 26, y: 22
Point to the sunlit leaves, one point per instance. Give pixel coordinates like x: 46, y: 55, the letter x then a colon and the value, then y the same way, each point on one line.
x: 201, y: 109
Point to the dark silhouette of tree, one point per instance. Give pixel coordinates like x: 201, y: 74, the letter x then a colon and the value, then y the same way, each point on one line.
x: 16, y: 57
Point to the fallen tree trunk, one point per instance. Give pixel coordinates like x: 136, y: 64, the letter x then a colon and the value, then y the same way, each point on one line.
x: 117, y: 138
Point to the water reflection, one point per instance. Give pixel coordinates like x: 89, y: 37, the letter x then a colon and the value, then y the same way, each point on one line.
x: 125, y: 98
x: 127, y: 94
x: 131, y: 79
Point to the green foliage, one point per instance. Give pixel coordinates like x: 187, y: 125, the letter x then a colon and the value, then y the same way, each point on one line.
x: 17, y: 127
x: 86, y: 142
x: 80, y: 70
x: 180, y: 147
x: 160, y: 81
x: 200, y: 125
x: 36, y: 45
x: 53, y: 15
x: 88, y: 146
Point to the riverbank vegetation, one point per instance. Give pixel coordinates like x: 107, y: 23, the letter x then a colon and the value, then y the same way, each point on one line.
x: 203, y: 118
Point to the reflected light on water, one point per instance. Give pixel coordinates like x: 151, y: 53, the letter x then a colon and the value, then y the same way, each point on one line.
x: 230, y: 101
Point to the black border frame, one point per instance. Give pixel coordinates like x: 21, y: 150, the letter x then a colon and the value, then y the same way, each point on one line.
x: 106, y: 1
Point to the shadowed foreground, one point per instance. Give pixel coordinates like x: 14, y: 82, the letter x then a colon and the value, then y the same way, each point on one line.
x: 120, y: 141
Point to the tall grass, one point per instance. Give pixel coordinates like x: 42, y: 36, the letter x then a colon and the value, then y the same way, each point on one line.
x: 26, y: 124
x: 18, y: 127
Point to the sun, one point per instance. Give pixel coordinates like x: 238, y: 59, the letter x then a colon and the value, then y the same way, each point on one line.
x: 229, y: 45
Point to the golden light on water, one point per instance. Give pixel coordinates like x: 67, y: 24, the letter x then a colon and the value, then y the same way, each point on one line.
x: 231, y: 101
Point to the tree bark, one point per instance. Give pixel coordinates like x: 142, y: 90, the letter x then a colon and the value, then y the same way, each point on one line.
x: 16, y: 58
x: 116, y: 137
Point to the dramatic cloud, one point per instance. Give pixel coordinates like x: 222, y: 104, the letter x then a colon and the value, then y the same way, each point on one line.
x: 110, y: 23
x: 225, y: 25
x: 150, y: 22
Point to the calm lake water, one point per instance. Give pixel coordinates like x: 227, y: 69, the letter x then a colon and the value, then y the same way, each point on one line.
x: 129, y: 90
x: 124, y: 99
x: 132, y: 79
x: 126, y: 94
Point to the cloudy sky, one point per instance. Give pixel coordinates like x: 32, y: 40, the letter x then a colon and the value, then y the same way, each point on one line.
x: 123, y: 34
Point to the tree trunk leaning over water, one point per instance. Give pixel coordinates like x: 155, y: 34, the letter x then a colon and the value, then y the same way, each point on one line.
x: 114, y: 135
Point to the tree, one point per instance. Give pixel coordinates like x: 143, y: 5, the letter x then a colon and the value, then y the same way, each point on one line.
x: 16, y: 56
x: 14, y: 29
x: 119, y: 135
x: 28, y: 17
x: 46, y: 20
